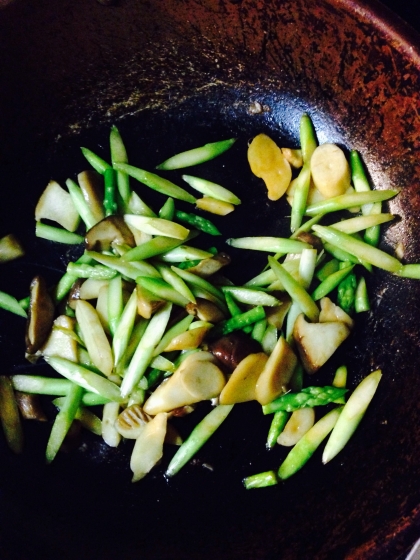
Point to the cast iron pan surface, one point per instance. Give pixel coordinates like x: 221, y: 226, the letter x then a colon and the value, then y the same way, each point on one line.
x: 173, y: 75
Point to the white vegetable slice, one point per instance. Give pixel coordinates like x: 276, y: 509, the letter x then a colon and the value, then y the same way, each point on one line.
x: 277, y: 373
x: 57, y: 205
x: 300, y: 422
x: 211, y: 189
x: 59, y: 343
x: 148, y: 449
x: 198, y: 378
x: 242, y: 382
x: 109, y: 433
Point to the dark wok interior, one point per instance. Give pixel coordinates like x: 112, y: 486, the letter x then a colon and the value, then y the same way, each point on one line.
x: 173, y: 75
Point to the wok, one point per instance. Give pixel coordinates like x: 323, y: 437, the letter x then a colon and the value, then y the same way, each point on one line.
x: 173, y: 75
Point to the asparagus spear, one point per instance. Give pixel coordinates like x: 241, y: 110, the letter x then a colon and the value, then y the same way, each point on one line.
x: 332, y: 281
x: 346, y: 293
x: 98, y: 164
x: 260, y: 480
x: 351, y: 415
x: 155, y: 182
x: 119, y: 155
x: 308, y: 144
x: 198, y: 437
x: 238, y: 322
x: 198, y: 222
x: 110, y: 203
x: 308, y: 397
x: 10, y: 303
x: 361, y: 301
x: 307, y: 445
x: 63, y: 421
x: 358, y: 248
x: 58, y: 235
x: 196, y: 155
x: 278, y: 422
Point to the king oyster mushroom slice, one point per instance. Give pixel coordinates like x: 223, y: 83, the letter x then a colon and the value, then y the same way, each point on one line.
x: 197, y: 379
x: 91, y: 184
x: 131, y: 421
x: 40, y: 316
x: 205, y: 310
x: 207, y: 267
x: 242, y: 383
x: 109, y: 230
x: 56, y: 204
x: 30, y: 406
x: 317, y: 342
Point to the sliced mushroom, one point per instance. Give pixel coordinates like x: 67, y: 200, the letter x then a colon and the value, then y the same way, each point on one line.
x: 59, y: 343
x: 231, y: 349
x: 207, y: 267
x: 197, y: 379
x: 205, y: 310
x: 331, y: 312
x: 189, y: 339
x: 30, y: 406
x: 147, y: 303
x: 277, y: 373
x: 317, y: 342
x: 40, y: 317
x: 10, y: 248
x: 90, y: 288
x: 241, y: 384
x: 298, y: 424
x: 110, y: 229
x: 56, y: 204
x: 92, y: 187
x: 74, y: 293
x: 276, y: 315
x: 148, y: 449
x: 131, y: 421
x: 312, y: 239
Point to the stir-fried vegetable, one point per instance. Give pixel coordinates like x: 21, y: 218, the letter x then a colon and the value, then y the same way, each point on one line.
x: 152, y: 329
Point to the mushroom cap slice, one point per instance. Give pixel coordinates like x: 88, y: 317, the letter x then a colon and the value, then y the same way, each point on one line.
x: 111, y: 229
x: 277, y: 373
x: 317, y: 342
x: 40, y: 317
x: 241, y: 384
x: 198, y: 378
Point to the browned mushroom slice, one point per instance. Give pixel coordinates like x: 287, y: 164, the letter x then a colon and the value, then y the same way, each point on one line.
x: 40, y: 316
x: 276, y: 315
x: 131, y: 421
x: 312, y: 239
x: 231, y: 349
x: 109, y: 230
x: 92, y: 187
x: 147, y: 303
x: 317, y: 342
x: 197, y: 379
x: 10, y: 248
x: 74, y: 294
x: 207, y: 267
x: 205, y: 310
x: 30, y: 406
